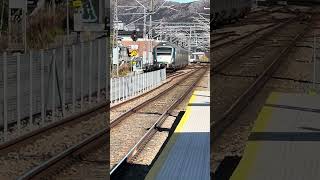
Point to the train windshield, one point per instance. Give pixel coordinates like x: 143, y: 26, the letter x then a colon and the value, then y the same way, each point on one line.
x: 164, y: 51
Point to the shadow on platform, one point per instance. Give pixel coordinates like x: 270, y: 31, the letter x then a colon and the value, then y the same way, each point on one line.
x: 226, y: 168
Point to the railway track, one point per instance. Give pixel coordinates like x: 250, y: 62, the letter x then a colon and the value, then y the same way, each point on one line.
x: 237, y: 42
x: 83, y: 159
x: 219, y: 44
x: 38, y: 147
x: 143, y: 120
x: 241, y: 47
x: 232, y: 141
x: 242, y: 74
x: 122, y: 107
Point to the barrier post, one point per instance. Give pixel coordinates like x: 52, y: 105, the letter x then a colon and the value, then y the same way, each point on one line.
x: 5, y: 112
x: 18, y: 93
x: 30, y: 88
x: 53, y: 85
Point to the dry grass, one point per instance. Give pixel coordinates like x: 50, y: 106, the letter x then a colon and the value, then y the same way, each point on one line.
x: 3, y: 42
x: 44, y: 27
x: 123, y: 70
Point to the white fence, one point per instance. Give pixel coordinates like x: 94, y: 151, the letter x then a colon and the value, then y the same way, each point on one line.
x: 123, y: 88
x: 44, y: 86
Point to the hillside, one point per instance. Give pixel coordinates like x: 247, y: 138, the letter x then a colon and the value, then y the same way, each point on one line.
x: 183, y: 11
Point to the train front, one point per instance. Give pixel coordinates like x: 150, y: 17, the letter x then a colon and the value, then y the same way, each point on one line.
x: 164, y: 56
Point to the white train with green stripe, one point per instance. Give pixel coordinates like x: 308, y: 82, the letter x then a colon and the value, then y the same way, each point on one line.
x: 170, y: 56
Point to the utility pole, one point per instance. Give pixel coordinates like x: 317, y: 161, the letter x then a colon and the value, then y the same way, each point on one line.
x: 144, y: 24
x: 189, y: 46
x: 150, y: 33
x: 145, y: 36
x: 115, y: 27
x: 115, y: 31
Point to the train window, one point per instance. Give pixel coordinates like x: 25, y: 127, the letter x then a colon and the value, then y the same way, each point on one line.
x: 164, y: 51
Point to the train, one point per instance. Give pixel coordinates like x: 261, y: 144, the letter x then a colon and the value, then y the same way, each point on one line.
x: 170, y: 56
x: 227, y: 11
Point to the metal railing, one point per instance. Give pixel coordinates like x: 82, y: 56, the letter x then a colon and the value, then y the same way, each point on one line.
x: 124, y: 88
x: 44, y: 86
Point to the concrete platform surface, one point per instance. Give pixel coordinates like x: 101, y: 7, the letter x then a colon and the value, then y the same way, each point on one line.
x: 186, y: 156
x: 284, y: 143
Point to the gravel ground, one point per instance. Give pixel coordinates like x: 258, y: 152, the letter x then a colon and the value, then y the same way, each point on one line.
x: 240, y: 31
x: 115, y: 112
x: 23, y: 158
x: 93, y: 165
x: 275, y: 15
x: 138, y: 123
x: 225, y: 91
x: 298, y: 65
x: 218, y: 53
x: 248, y: 66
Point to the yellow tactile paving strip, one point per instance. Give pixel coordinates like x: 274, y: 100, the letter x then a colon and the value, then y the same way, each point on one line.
x: 181, y: 132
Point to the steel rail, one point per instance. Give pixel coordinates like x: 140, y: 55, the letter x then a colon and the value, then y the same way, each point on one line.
x: 101, y: 107
x: 260, y: 22
x: 122, y: 116
x: 44, y: 167
x: 230, y: 115
x: 242, y: 37
x: 147, y: 136
x: 150, y: 91
x: 218, y: 67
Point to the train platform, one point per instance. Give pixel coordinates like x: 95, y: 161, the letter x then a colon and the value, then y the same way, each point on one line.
x: 285, y: 140
x: 187, y: 153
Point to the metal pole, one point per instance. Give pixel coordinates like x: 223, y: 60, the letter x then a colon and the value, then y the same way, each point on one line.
x: 68, y: 30
x: 145, y: 31
x: 111, y: 91
x: 30, y: 89
x: 99, y: 69
x: 54, y: 6
x: 18, y: 93
x: 314, y: 60
x: 9, y: 27
x: 190, y: 43
x: 90, y: 69
x: 115, y: 31
x: 2, y: 14
x: 43, y: 115
x: 115, y: 20
x: 63, y: 80
x: 81, y: 76
x: 25, y: 25
x: 150, y: 33
x: 73, y: 78
x: 53, y: 85
x: 5, y: 105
